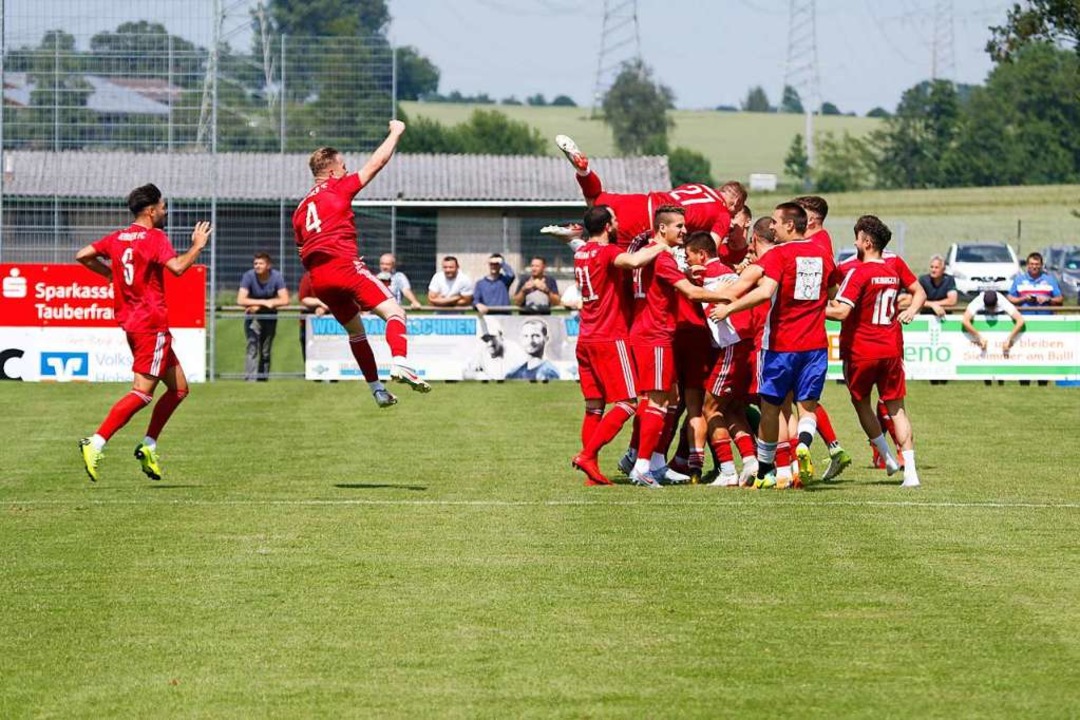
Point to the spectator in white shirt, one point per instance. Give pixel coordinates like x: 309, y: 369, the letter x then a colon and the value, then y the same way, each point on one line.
x: 450, y: 288
x: 990, y: 304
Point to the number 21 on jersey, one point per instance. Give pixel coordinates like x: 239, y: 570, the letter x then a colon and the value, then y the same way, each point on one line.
x: 312, y: 223
x: 584, y: 283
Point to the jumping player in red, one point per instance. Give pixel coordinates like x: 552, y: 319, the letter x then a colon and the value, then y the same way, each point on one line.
x: 871, y: 341
x: 604, y: 364
x: 706, y: 209
x: 325, y: 230
x: 139, y: 255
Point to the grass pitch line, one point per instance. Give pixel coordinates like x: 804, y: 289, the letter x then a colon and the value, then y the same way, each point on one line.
x: 990, y: 505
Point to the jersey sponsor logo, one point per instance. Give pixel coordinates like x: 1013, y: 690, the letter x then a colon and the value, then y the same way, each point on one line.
x: 65, y: 366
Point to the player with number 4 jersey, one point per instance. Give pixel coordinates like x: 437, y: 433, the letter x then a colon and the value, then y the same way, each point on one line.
x: 139, y: 255
x: 325, y: 230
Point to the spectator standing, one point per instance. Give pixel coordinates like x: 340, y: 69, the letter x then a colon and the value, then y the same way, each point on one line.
x: 493, y: 290
x: 940, y: 288
x: 400, y: 287
x: 310, y: 304
x: 450, y: 288
x: 537, y: 293
x: 1035, y: 288
x: 262, y: 292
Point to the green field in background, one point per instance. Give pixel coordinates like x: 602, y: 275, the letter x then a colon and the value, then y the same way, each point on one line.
x: 736, y: 144
x: 307, y: 555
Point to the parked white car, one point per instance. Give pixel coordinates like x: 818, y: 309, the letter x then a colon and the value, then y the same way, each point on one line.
x: 982, y: 266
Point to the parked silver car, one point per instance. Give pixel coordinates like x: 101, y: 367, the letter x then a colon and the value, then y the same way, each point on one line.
x: 982, y: 266
x: 1063, y: 262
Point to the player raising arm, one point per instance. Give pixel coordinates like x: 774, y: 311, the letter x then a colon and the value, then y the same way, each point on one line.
x: 139, y: 254
x: 871, y: 341
x: 325, y: 230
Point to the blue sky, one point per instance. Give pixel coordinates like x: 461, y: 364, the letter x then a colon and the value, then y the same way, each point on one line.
x: 708, y: 51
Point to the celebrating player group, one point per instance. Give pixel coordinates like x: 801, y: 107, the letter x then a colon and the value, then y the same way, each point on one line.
x: 689, y: 308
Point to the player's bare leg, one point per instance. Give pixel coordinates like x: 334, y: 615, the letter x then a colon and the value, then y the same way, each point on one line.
x: 176, y: 390
x: 92, y: 448
x: 697, y: 431
x: 869, y: 420
x: 400, y: 370
x: 905, y: 437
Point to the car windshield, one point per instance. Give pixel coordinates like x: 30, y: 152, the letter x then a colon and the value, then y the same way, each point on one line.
x: 1072, y: 262
x: 983, y: 254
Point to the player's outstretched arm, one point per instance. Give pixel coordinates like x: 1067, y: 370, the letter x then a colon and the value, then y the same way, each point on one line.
x: 762, y: 293
x: 837, y: 310
x: 747, y: 279
x: 698, y: 293
x: 199, y: 237
x: 88, y: 256
x: 383, y: 153
x: 639, y: 259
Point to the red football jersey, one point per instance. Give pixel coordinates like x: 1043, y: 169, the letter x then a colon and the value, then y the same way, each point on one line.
x: 604, y: 314
x: 796, y: 321
x: 729, y: 256
x: 871, y: 331
x: 705, y: 209
x: 138, y: 257
x: 654, y: 301
x: 824, y: 240
x: 324, y: 224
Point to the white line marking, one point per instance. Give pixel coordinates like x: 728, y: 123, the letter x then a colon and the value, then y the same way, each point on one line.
x: 992, y: 505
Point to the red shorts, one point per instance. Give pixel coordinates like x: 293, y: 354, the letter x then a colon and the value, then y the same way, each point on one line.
x: 694, y: 356
x: 152, y: 353
x: 347, y: 287
x: 886, y: 373
x: 606, y: 371
x: 632, y: 212
x: 654, y: 368
x: 732, y: 373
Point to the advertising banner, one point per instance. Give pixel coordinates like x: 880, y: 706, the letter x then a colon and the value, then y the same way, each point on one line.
x: 541, y: 348
x: 57, y: 325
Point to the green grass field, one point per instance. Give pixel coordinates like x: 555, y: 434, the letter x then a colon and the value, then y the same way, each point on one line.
x: 308, y: 555
x: 736, y: 144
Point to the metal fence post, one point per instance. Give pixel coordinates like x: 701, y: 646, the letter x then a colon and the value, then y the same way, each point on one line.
x: 216, y: 45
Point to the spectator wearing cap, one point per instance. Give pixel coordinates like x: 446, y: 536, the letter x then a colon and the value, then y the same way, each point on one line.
x: 493, y: 290
x: 940, y: 288
x: 537, y: 293
x: 496, y: 356
x: 991, y: 304
x: 399, y: 285
x: 1033, y: 287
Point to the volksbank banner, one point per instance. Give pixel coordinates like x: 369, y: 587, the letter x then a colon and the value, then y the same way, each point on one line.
x: 542, y: 348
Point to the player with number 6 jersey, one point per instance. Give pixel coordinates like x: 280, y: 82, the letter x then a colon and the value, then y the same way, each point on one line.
x: 139, y: 255
x: 325, y: 230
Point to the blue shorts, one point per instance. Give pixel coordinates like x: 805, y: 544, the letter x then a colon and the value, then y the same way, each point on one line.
x: 799, y: 373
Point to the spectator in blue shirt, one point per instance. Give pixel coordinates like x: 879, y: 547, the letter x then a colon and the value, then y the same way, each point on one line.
x: 1033, y: 287
x: 262, y: 291
x: 493, y: 290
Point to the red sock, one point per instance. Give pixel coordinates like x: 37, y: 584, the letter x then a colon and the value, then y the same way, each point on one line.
x: 824, y: 425
x: 589, y: 424
x: 591, y: 186
x: 667, y: 434
x: 635, y: 436
x: 608, y: 428
x: 783, y: 453
x: 722, y: 450
x: 395, y: 337
x: 124, y: 409
x: 652, y: 425
x: 745, y: 443
x: 163, y: 410
x: 365, y: 357
x: 886, y: 422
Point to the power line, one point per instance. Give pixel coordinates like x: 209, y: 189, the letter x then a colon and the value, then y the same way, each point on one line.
x: 620, y: 41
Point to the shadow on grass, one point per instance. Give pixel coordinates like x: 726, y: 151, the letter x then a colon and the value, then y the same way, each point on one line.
x: 171, y: 487
x: 380, y: 486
